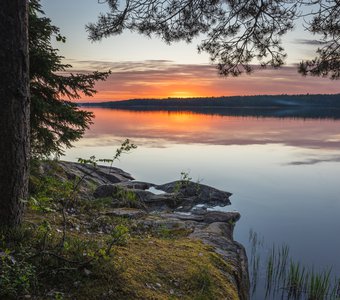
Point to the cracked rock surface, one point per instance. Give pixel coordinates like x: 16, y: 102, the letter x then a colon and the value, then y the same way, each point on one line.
x: 175, y: 205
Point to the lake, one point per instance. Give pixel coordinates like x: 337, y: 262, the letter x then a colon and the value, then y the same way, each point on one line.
x: 283, y: 173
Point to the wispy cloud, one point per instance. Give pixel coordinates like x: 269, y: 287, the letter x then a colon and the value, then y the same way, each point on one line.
x: 125, y: 66
x: 164, y: 78
x: 309, y: 42
x: 314, y: 161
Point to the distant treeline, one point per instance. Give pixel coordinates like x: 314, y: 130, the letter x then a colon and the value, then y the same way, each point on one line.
x: 300, y: 106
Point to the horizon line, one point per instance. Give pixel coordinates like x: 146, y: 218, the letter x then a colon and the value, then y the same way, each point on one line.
x: 209, y: 97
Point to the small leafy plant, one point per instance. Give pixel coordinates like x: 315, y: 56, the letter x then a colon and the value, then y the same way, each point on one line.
x: 119, y: 236
x: 183, y: 182
x: 17, y: 277
x: 124, y: 148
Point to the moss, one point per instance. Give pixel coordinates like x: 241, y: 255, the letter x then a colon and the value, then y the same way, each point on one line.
x: 147, y: 267
x: 89, y: 262
x: 154, y: 268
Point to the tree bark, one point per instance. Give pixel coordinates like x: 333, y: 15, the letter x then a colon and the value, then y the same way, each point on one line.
x: 14, y: 111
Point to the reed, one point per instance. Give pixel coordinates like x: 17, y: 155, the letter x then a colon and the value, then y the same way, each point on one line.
x: 288, y: 277
x: 295, y: 280
x: 255, y: 264
x: 255, y: 258
x: 318, y: 285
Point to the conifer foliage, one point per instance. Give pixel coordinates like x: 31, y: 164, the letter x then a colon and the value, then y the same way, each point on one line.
x: 56, y: 122
x: 237, y: 34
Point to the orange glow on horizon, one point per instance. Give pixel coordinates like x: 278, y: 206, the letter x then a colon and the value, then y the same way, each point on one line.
x: 203, y: 81
x: 157, y: 90
x: 189, y: 127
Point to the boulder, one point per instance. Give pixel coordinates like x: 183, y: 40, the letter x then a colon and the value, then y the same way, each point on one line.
x: 196, y: 193
x: 177, y: 196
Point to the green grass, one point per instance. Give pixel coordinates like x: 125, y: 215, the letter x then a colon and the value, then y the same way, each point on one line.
x: 74, y: 249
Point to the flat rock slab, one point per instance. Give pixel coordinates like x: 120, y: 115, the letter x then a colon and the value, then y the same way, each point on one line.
x: 98, y: 174
x: 207, y: 217
x: 219, y: 216
x: 176, y: 209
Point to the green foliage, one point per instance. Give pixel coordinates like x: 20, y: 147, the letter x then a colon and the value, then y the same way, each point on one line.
x: 164, y: 232
x: 289, y: 278
x: 124, y: 148
x: 48, y: 191
x: 95, y: 205
x: 296, y: 278
x: 318, y: 285
x: 55, y: 122
x: 17, y: 277
x: 185, y: 178
x: 127, y: 198
x: 93, y: 161
x: 119, y: 235
x: 99, y: 255
x: 237, y: 33
x: 202, y: 282
x: 183, y: 182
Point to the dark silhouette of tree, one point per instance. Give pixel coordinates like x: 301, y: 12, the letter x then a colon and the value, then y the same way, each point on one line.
x: 14, y: 112
x: 326, y: 24
x: 55, y: 122
x: 237, y: 33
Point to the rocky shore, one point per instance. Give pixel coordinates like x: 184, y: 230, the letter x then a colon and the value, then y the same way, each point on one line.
x: 179, y: 205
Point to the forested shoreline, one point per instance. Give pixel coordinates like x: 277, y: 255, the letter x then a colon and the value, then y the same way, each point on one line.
x: 281, y: 106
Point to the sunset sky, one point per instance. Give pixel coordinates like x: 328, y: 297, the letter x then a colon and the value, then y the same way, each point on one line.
x: 148, y: 68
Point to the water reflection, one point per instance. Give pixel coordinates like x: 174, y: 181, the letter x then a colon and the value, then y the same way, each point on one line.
x: 189, y: 127
x: 283, y: 173
x: 286, y: 278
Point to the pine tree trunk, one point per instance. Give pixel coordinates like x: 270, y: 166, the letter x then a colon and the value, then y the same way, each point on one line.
x: 14, y: 110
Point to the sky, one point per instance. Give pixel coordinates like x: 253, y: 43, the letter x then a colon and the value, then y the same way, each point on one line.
x: 148, y: 68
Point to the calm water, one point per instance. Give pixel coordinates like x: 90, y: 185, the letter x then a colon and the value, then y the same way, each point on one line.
x: 283, y: 173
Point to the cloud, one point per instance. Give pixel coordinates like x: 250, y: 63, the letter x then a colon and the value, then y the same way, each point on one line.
x: 314, y: 161
x: 309, y: 42
x: 164, y: 78
x: 122, y: 66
